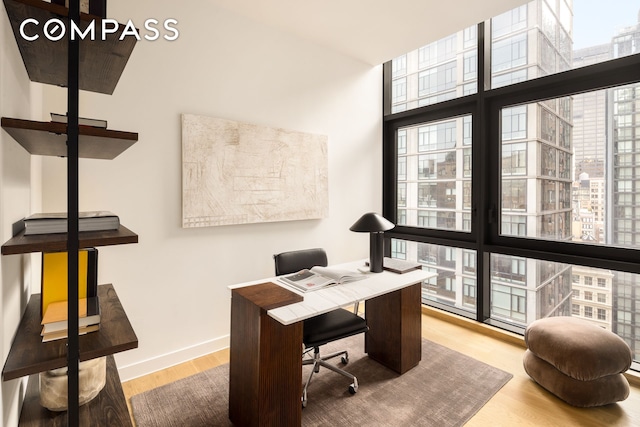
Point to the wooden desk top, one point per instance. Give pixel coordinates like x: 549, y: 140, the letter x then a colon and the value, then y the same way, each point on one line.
x: 332, y: 297
x: 268, y: 295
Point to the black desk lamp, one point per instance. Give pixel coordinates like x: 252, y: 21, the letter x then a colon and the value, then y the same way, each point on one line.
x: 376, y: 225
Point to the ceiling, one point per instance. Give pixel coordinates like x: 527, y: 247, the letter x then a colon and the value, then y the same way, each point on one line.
x: 372, y: 31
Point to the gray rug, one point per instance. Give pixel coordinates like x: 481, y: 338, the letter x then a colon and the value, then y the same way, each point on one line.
x: 446, y: 389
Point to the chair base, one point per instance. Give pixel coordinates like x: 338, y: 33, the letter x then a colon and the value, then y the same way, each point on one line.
x: 318, y: 361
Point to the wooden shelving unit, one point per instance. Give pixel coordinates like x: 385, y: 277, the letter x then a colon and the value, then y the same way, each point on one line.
x: 109, y: 408
x: 50, y: 139
x: 21, y: 244
x: 29, y: 355
x: 93, y: 65
x: 101, y: 62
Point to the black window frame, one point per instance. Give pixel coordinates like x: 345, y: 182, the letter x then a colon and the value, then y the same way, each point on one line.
x: 485, y: 108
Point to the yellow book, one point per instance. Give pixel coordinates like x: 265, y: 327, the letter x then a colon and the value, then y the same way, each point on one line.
x: 55, y: 277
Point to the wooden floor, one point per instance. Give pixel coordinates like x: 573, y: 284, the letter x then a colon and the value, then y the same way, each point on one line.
x: 520, y: 402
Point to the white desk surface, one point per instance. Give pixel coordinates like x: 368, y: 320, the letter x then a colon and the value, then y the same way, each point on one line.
x: 332, y: 297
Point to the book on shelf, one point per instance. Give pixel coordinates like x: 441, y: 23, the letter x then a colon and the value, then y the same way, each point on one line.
x: 54, y: 281
x: 62, y: 118
x: 52, y: 336
x: 49, y: 223
x: 55, y: 318
x: 320, y: 277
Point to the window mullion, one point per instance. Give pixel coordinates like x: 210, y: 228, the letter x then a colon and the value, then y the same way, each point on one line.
x: 481, y: 177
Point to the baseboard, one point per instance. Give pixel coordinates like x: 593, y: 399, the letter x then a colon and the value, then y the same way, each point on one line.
x: 148, y: 366
x: 633, y: 377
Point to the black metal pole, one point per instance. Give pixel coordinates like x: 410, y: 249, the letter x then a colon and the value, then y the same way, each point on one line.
x: 73, y: 350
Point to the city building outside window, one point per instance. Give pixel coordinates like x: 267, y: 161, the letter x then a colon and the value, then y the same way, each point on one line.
x: 602, y: 314
x: 564, y: 167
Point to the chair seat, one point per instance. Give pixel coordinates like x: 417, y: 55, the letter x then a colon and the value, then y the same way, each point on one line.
x: 331, y: 326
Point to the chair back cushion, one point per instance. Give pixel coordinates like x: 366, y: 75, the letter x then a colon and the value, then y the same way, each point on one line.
x: 294, y: 261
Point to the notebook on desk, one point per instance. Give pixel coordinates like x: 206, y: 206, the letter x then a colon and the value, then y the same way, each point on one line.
x: 399, y: 266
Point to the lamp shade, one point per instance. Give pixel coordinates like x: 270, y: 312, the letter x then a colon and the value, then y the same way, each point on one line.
x: 376, y: 225
x: 371, y: 222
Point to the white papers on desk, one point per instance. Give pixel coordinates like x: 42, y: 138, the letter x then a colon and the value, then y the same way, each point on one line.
x: 320, y: 277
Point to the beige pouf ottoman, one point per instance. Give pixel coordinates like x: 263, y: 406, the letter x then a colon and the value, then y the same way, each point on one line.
x: 577, y: 361
x: 92, y: 376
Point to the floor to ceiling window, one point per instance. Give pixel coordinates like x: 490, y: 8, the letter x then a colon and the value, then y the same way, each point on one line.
x: 512, y: 166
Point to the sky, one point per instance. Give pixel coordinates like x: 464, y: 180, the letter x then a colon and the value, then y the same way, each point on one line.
x: 597, y: 21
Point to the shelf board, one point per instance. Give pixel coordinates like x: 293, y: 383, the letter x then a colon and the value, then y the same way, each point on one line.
x: 50, y: 139
x: 101, y: 62
x: 29, y: 355
x: 108, y: 408
x: 21, y: 244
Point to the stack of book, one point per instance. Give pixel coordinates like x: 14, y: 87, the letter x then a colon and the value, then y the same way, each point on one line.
x: 54, y: 307
x: 54, y: 320
x: 62, y: 118
x: 46, y: 223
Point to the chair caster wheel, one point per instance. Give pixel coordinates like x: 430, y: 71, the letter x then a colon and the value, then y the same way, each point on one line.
x: 344, y: 360
x: 353, y: 389
x: 304, y: 404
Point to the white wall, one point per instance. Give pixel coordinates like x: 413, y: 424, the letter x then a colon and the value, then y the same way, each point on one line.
x: 173, y: 283
x: 18, y: 99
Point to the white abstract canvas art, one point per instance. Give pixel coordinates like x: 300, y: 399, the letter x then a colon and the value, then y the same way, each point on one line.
x: 240, y: 173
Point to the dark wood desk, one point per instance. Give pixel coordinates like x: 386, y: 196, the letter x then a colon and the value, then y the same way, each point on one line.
x: 395, y: 328
x: 265, y: 379
x: 265, y: 369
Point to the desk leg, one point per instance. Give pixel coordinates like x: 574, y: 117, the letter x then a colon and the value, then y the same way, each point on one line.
x: 265, y: 368
x: 395, y: 328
